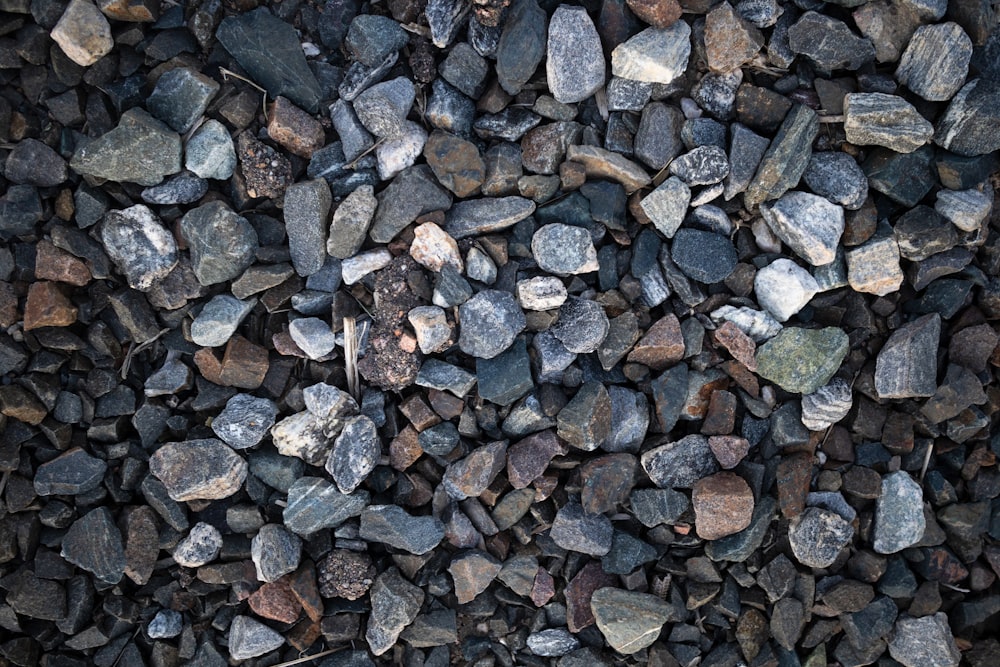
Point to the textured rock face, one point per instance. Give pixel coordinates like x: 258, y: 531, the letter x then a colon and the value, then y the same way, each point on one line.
x: 198, y: 469
x: 907, y: 365
x: 899, y: 514
x: 140, y: 149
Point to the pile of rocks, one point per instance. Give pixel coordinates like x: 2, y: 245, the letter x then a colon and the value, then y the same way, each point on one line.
x: 432, y: 332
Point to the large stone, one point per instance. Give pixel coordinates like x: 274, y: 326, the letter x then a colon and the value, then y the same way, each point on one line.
x: 455, y: 162
x: 667, y: 205
x: 350, y: 223
x: 802, y: 360
x: 969, y: 125
x: 574, y: 63
x: 808, y: 224
x: 140, y: 149
x: 877, y: 119
x: 383, y: 107
x: 924, y: 642
x: 355, y: 453
x: 655, y: 55
x: 829, y: 43
x: 723, y: 505
x: 899, y: 514
x: 314, y: 504
x: 585, y: 421
x: 628, y: 620
x: 681, y: 463
x: 522, y: 45
x: 473, y: 217
x: 83, y: 33
x: 221, y: 241
x: 139, y: 245
x: 391, y: 525
x: 94, y: 543
x: 198, y: 469
x: 906, y: 366
x: 786, y: 158
x: 72, y: 473
x: 489, y: 323
x: 936, y: 61
x: 817, y: 536
x: 837, y: 177
x: 395, y: 604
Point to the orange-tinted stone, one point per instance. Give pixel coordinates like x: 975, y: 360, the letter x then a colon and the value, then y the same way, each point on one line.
x: 294, y: 129
x: 244, y: 364
x: 657, y: 13
x: 723, y: 505
x: 47, y: 306
x: 275, y: 601
x: 662, y: 346
x: 52, y: 263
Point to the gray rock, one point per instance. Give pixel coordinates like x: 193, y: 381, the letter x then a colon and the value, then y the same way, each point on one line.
x: 450, y: 110
x: 355, y: 139
x: 412, y: 193
x: 808, y: 224
x: 629, y: 420
x: 355, y: 453
x: 507, y: 376
x: 93, y: 543
x: 783, y: 288
x: 827, y: 405
x: 33, y: 163
x: 270, y: 51
x: 658, y: 138
x: 315, y: 504
x: 445, y: 18
x: 474, y: 217
x: 371, y: 38
x: 395, y: 604
x: 924, y: 642
x: 180, y: 97
x: 303, y: 435
x: 653, y: 507
x: 655, y: 55
x: 582, y: 325
x: 786, y: 158
x: 703, y: 256
x: 551, y: 357
x: 222, y: 243
x: 20, y: 209
x: 355, y: 268
x: 739, y: 547
x: 400, y: 151
x: 553, y: 642
x: 906, y: 366
x: 829, y: 43
x: 584, y: 422
x: 139, y: 245
x: 574, y: 63
x: 209, y: 153
x: 245, y: 421
x: 275, y: 552
x: 877, y: 119
x: 199, y: 547
x: 471, y: 476
x: 522, y: 45
x: 837, y: 177
x: 166, y: 624
x: 436, y: 374
x: 679, y: 464
x: 576, y: 530
x: 817, y: 536
x: 465, y: 69
x: 666, y: 205
x: 489, y: 322
x: 966, y: 209
x: 313, y: 336
x: 383, y: 107
x: 968, y: 127
x: 140, y: 149
x: 391, y: 525
x: 219, y: 319
x: 627, y: 95
x: 628, y: 620
x: 936, y: 61
x: 564, y: 250
x: 198, y: 469
x: 746, y: 149
x: 704, y: 165
x: 249, y: 638
x: 802, y: 360
x: 873, y: 267
x: 350, y: 223
x: 72, y: 473
x: 181, y: 189
x: 899, y: 514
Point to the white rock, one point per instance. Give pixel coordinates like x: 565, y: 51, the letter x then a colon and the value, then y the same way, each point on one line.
x: 827, y: 405
x: 201, y: 546
x: 783, y: 288
x: 430, y: 323
x: 808, y: 224
x: 541, y: 293
x: 756, y: 324
x: 355, y: 268
x: 966, y: 209
x: 433, y: 248
x: 401, y: 151
x: 655, y: 55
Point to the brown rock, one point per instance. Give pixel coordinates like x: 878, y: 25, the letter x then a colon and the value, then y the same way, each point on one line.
x: 405, y: 449
x: 306, y: 590
x: 473, y: 572
x: 794, y: 475
x: 723, y: 505
x: 737, y: 343
x: 730, y: 40
x: 607, y: 482
x: 275, y: 601
x: 18, y: 403
x: 751, y: 632
x: 572, y: 175
x: 455, y: 162
x: 657, y: 13
x: 579, y: 591
x: 304, y: 634
x: 47, y: 306
x: 52, y: 263
x: 721, y: 416
x: 266, y: 172
x: 139, y: 11
x: 345, y: 574
x: 747, y: 381
x: 142, y: 544
x: 528, y: 459
x: 8, y: 305
x: 543, y: 589
x: 244, y: 364
x: 434, y: 248
x: 729, y: 450
x: 294, y: 129
x: 208, y: 365
x: 662, y: 346
x: 601, y: 163
x: 418, y: 412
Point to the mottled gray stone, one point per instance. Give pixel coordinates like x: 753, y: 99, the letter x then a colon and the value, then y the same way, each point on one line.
x: 395, y: 604
x: 489, y: 322
x: 924, y: 642
x: 936, y: 61
x: 817, y: 536
x: 383, y: 107
x: 838, y: 177
x: 522, y: 45
x: 966, y: 209
x: 655, y: 55
x: 249, y: 638
x: 703, y: 256
x: 391, y: 525
x: 899, y: 514
x: 314, y: 504
x: 245, y: 420
x: 140, y: 149
x: 906, y: 366
x: 355, y: 453
x: 630, y: 621
x: 666, y: 205
x: 827, y: 405
x: 307, y: 212
x: 681, y: 463
x: 574, y: 63
x: 94, y: 543
x: 576, y: 530
x: 275, y: 552
x: 473, y: 217
x: 205, y: 469
x: 783, y: 288
x: 199, y: 547
x: 829, y: 43
x: 72, y: 473
x: 219, y: 319
x: 877, y: 119
x: 180, y: 97
x: 209, y: 153
x: 786, y: 158
x: 810, y: 225
x: 411, y: 193
x: 139, y: 245
x: 222, y: 242
x: 969, y: 125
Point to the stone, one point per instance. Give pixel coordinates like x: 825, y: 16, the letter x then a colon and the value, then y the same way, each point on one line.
x: 209, y: 153
x: 729, y: 450
x: 629, y: 621
x: 786, y: 158
x: 455, y: 162
x: 667, y: 205
x: 249, y: 638
x: 307, y: 211
x: 473, y: 572
x: 574, y: 62
x: 430, y: 324
x: 521, y: 46
x: 655, y: 55
x: 391, y: 525
x: 371, y: 38
x: 658, y: 137
x: 433, y: 248
x: 396, y: 153
x: 541, y: 292
x: 877, y: 119
x: 489, y: 322
x: 355, y: 139
x: 83, y: 33
x: 270, y: 51
x: 471, y: 476
x: 315, y: 504
x: 657, y: 13
x: 829, y: 43
x: 180, y: 189
x: 802, y: 360
x: 180, y: 97
x: 245, y: 421
x: 607, y: 482
x: 345, y: 574
x: 218, y: 320
x: 838, y: 178
x: 139, y: 245
x: 166, y: 624
x: 198, y: 469
x: 355, y: 268
x: 383, y: 107
x: 966, y: 209
x: 784, y: 288
x: 140, y: 149
x: 925, y: 642
x: 906, y: 366
x: 873, y: 267
x: 222, y: 242
x: 730, y: 40
x: 293, y: 129
x: 817, y: 537
x: 445, y: 18
x: 72, y: 473
x: 48, y: 306
x: 584, y: 422
x: 827, y: 405
x: 936, y: 61
x: 576, y: 530
x: 681, y: 463
x: 436, y: 374
x: 474, y: 217
x: 93, y: 543
x: 808, y: 224
x: 899, y: 514
x: 704, y: 165
x: 746, y: 149
x: 553, y: 642
x: 465, y: 69
x: 968, y: 125
x: 703, y: 256
x: 661, y: 346
x: 355, y: 453
x: 199, y: 547
x: 275, y: 552
x: 528, y: 458
x: 140, y: 11
x: 350, y: 223
x: 33, y: 163
x: 395, y: 604
x: 266, y: 172
x: 723, y: 505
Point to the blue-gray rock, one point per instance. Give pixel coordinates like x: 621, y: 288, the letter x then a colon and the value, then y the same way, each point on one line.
x: 817, y: 536
x: 704, y: 165
x: 355, y: 139
x: 878, y: 119
x: 383, y: 107
x: 199, y: 547
x: 936, y: 61
x: 966, y: 209
x: 307, y: 214
x: 582, y: 325
x: 371, y: 38
x: 437, y: 374
x: 629, y: 420
x: 666, y: 205
x: 33, y: 163
x: 222, y: 242
x: 94, y: 543
x: 838, y: 177
x: 810, y: 225
x: 180, y: 97
x: 140, y: 149
x: 489, y: 323
x: 314, y: 504
x: 746, y: 149
x: 249, y: 638
x: 628, y: 620
x: 906, y: 366
x: 166, y: 624
x: 829, y: 43
x: 552, y: 643
x: 473, y: 217
x: 924, y: 642
x: 827, y: 405
x: 445, y: 18
x: 786, y: 158
x: 576, y: 530
x: 899, y: 514
x: 653, y: 507
x: 574, y: 63
x: 209, y: 153
x: 181, y: 189
x: 20, y: 209
x: 450, y: 110
x: 507, y: 376
x: 270, y: 51
x: 968, y: 127
x: 679, y: 464
x: 391, y: 525
x: 245, y: 421
x: 72, y: 473
x: 139, y: 245
x: 627, y: 553
x: 314, y: 336
x: 465, y: 69
x: 219, y: 319
x: 522, y: 45
x: 411, y: 193
x: 703, y: 256
x: 395, y: 603
x: 275, y: 552
x: 355, y: 453
x: 658, y: 137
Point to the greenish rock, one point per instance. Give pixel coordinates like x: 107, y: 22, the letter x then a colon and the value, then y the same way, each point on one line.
x: 786, y: 159
x: 139, y: 150
x: 506, y: 377
x: 209, y: 152
x: 180, y: 97
x: 802, y: 360
x: 630, y: 621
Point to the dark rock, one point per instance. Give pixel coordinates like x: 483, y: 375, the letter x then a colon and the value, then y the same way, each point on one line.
x: 906, y: 366
x: 140, y: 149
x: 315, y: 504
x: 180, y: 97
x: 585, y: 421
x: 522, y: 45
x: 222, y: 242
x: 837, y: 177
x: 389, y: 524
x: 681, y: 463
x: 249, y: 638
x: 490, y: 321
x: 94, y: 544
x: 198, y: 469
x: 395, y: 604
x: 275, y: 552
x: 73, y: 473
x: 576, y: 530
x: 817, y: 537
x: 967, y: 127
x: 629, y: 621
x: 445, y: 18
x: 371, y: 38
x: 33, y: 163
x: 703, y: 256
x: 936, y: 61
x: 574, y: 60
x: 829, y: 43
x: 786, y: 159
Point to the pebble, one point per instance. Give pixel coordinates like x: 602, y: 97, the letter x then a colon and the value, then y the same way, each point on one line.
x: 350, y: 223
x: 471, y: 476
x: 455, y: 162
x: 209, y: 153
x: 355, y: 453
x: 399, y: 152
x: 703, y: 256
x: 245, y: 421
x: 201, y: 546
x: 275, y: 552
x: 383, y: 108
x: 72, y: 473
x: 784, y: 288
x: 667, y: 205
x: 936, y: 61
x: 877, y: 119
x: 353, y: 269
x: 219, y: 319
x: 730, y: 40
x: 433, y: 248
x: 140, y: 149
x: 604, y: 164
x: 582, y: 325
x: 899, y: 514
x: 395, y: 603
x: 313, y: 336
x: 371, y: 38
x: 180, y: 97
x: 574, y: 62
x: 315, y: 504
x: 465, y: 69
x: 94, y: 543
x: 222, y: 243
x: 729, y: 450
x: 629, y: 621
x: 723, y: 505
x: 705, y: 165
x: 166, y: 624
x: 606, y: 482
x: 552, y: 643
x: 786, y: 158
x: 576, y: 530
x: 681, y: 463
x: 139, y: 245
x: 249, y: 638
x: 489, y: 322
x: 33, y: 163
x: 198, y: 469
x: 473, y: 572
x: 391, y: 525
x: 873, y: 267
x: 655, y: 55
x: 661, y: 346
x: 657, y: 13
x: 445, y: 18
x: 827, y: 405
x: 837, y: 177
x: 183, y: 188
x: 302, y: 435
x: 658, y: 137
x: 542, y: 292
x: 307, y: 211
x: 924, y: 642
x: 906, y: 366
x: 817, y: 537
x: 802, y: 360
x: 83, y: 33
x: 966, y: 209
x: 968, y: 126
x: 430, y: 324
x: 829, y: 43
x: 808, y: 224
x: 474, y: 217
x: 522, y: 45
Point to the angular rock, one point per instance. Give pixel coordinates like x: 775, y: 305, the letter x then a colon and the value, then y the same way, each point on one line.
x: 180, y: 97
x: 703, y: 256
x: 730, y: 40
x: 473, y: 572
x: 483, y: 216
x: 83, y: 33
x: 307, y: 211
x: 355, y: 453
x: 48, y: 306
x: 209, y: 153
x: 395, y: 603
x: 968, y: 127
x: 275, y: 552
x: 873, y: 267
x: 522, y: 45
x: 471, y: 476
x: 33, y: 163
x: 218, y: 320
x: 396, y: 153
x: 528, y: 458
x: 786, y: 158
x: 564, y: 250
x: 899, y: 514
x: 222, y: 242
x: 607, y: 482
x: 576, y: 530
x: 200, y: 547
x: 553, y: 642
x: 601, y: 163
x: 582, y: 325
x: 249, y: 638
x: 810, y: 225
x: 837, y: 177
x: 906, y: 366
x: 371, y: 38
x: 877, y: 119
x: 655, y: 55
x: 350, y: 223
x: 924, y: 642
x: 574, y: 62
x: 93, y: 543
x: 315, y: 504
x: 628, y: 620
x: 704, y: 165
x: 936, y: 61
x: 139, y: 245
x: 198, y: 469
x: 784, y: 288
x: 489, y: 323
x: 72, y: 473
x: 455, y: 162
x: 966, y: 209
x: 829, y: 43
x: 827, y: 405
x: 584, y: 422
x: 383, y: 107
x: 802, y: 360
x: 662, y: 345
x: 430, y: 324
x: 345, y: 574
x: 723, y: 505
x: 666, y: 205
x: 140, y: 149
x: 245, y: 421
x: 681, y: 463
x: 391, y: 525
x: 817, y: 536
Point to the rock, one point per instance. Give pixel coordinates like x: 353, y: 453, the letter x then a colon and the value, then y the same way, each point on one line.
x: 389, y: 524
x: 474, y: 217
x: 371, y: 38
x: 607, y: 482
x: 582, y: 325
x: 802, y: 360
x: 436, y: 374
x: 395, y: 603
x: 209, y: 153
x: 489, y: 322
x: 723, y: 505
x: 180, y: 97
x: 666, y: 205
x: 829, y: 43
x: 465, y: 69
x: 139, y: 245
x: 471, y: 476
x: 219, y: 319
x: 400, y: 151
x: 838, y: 178
x: 810, y: 225
x: 936, y: 61
x: 528, y: 458
x: 307, y: 210
x: 75, y: 472
x: 817, y: 536
x: 455, y: 162
x: 628, y: 620
x: 350, y: 223
x: 966, y: 209
x: 899, y: 514
x: 601, y: 163
x: 200, y: 547
x: 784, y: 288
x: 873, y: 267
x: 249, y: 638
x: 655, y: 55
x: 48, y: 306
x: 576, y: 530
x: 522, y: 45
x: 275, y: 552
x: 315, y: 504
x: 430, y: 324
x: 198, y: 469
x: 786, y: 158
x: 180, y: 189
x: 703, y: 256
x: 266, y: 171
x: 140, y: 149
x: 657, y: 13
x: 906, y: 366
x: 662, y: 345
x: 222, y: 243
x: 728, y: 450
x: 924, y: 642
x: 434, y: 248
x: 445, y: 18
x: 166, y: 624
x: 681, y: 463
x: 827, y: 405
x: 704, y: 165
x: 383, y: 107
x: 553, y: 642
x: 574, y: 63
x: 730, y: 40
x: 93, y: 543
x: 541, y: 292
x: 33, y: 163
x: 355, y: 453
x: 584, y: 422
x: 83, y: 33
x: 968, y: 126
x: 658, y: 138
x: 293, y: 129
x: 473, y: 572
x: 745, y: 152
x: 245, y: 421
x: 345, y: 574
x: 355, y: 268
x: 877, y: 119
x: 270, y: 51
x: 355, y: 139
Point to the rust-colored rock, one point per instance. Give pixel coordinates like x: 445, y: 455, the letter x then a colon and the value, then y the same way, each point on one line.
x: 729, y: 450
x: 47, y: 306
x: 737, y: 343
x: 266, y: 172
x: 18, y: 403
x: 455, y: 162
x: 662, y: 346
x: 657, y: 13
x: 52, y: 263
x: 723, y: 505
x: 721, y: 416
x: 275, y: 601
x: 794, y: 474
x: 306, y: 590
x: 244, y: 364
x: 294, y: 129
x: 405, y: 449
x: 579, y: 591
x: 543, y: 589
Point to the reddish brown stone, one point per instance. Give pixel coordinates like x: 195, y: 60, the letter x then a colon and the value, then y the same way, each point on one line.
x: 285, y: 346
x: 52, y: 263
x: 657, y: 13
x: 306, y: 591
x: 794, y: 475
x: 418, y: 412
x: 447, y: 406
x: 859, y: 225
x: 723, y: 505
x: 8, y: 305
x: 579, y: 591
x: 47, y: 306
x: 208, y: 365
x: 862, y: 482
x: 701, y: 386
x: 607, y: 482
x: 144, y: 11
x: 747, y: 381
x: 543, y: 589
x: 455, y: 162
x: 244, y: 364
x: 730, y: 40
x: 528, y: 459
x: 275, y: 601
x: 405, y: 449
x: 662, y: 346
x: 294, y: 129
x: 897, y: 433
x: 305, y: 633
x: 737, y: 343
x: 941, y: 565
x: 729, y: 450
x: 721, y: 416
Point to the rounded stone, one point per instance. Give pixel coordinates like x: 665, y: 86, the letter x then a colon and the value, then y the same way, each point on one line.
x: 489, y: 322
x: 818, y: 536
x: 564, y: 250
x: 703, y: 256
x: 723, y: 505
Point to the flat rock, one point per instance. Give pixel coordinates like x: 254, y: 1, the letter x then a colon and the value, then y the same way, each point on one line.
x: 383, y: 107
x: 607, y: 482
x: 667, y: 205
x: 584, y: 422
x: 809, y: 224
x: 222, y: 242
x: 837, y: 177
x: 473, y: 572
x: 730, y: 40
x: 829, y: 43
x: 704, y: 165
x: 817, y: 536
x: 307, y: 214
x: 802, y: 360
x: 83, y: 33
x: 924, y: 642
x: 395, y: 604
x: 827, y: 405
x: 574, y: 63
x: 391, y: 525
x: 601, y: 163
x: 355, y: 453
x: 245, y: 421
x: 786, y: 158
x: 249, y: 638
x: 564, y: 250
x: 198, y: 469
x: 140, y: 149
x: 655, y: 55
x: 471, y: 476
x: 473, y: 217
x: 784, y: 288
x: 275, y: 552
x: 522, y: 45
x: 628, y: 620
x: 219, y: 319
x: 315, y: 504
x: 489, y: 322
x: 72, y: 473
x: 33, y: 163
x: 576, y: 530
x: 723, y: 504
x: 877, y: 119
x: 899, y: 514
x: 180, y: 97
x: 968, y: 127
x: 906, y: 366
x: 350, y: 223
x: 455, y: 162
x: 681, y: 463
x: 94, y: 543
x: 936, y: 61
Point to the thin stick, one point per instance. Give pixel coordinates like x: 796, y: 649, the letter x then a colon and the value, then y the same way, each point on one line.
x: 351, y: 357
x: 927, y: 460
x: 354, y: 163
x: 136, y: 349
x: 226, y: 73
x: 308, y: 658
